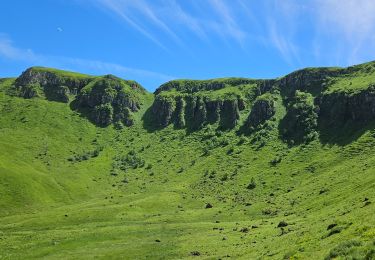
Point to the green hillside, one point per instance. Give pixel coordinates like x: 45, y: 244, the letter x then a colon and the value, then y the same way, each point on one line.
x: 97, y: 167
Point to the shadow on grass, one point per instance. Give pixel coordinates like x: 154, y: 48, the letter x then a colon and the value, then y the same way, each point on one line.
x: 84, y: 112
x: 330, y: 133
x: 149, y: 121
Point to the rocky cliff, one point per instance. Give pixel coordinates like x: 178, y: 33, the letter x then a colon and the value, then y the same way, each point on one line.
x: 196, y: 111
x: 104, y: 100
x: 310, y: 97
x: 111, y: 100
x: 54, y: 84
x: 262, y: 110
x: 339, y: 107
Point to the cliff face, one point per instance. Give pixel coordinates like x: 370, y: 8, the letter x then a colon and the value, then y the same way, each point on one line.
x: 111, y: 100
x: 262, y: 110
x: 195, y: 103
x: 54, y: 84
x: 105, y: 100
x: 312, y: 80
x: 195, y: 111
x: 307, y: 94
x: 310, y: 97
x: 340, y: 107
x: 46, y: 77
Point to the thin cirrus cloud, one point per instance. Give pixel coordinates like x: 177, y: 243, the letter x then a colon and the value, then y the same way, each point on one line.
x: 337, y: 32
x: 146, y: 16
x: 11, y: 52
x: 352, y: 22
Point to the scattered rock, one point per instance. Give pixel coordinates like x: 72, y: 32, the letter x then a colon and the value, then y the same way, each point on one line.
x: 282, y: 224
x: 195, y: 253
x: 244, y: 230
x: 330, y: 226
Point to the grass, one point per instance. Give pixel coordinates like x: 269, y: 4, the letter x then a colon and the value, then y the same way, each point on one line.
x: 53, y: 207
x: 62, y: 73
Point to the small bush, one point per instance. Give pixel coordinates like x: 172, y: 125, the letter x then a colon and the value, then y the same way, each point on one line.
x: 252, y: 185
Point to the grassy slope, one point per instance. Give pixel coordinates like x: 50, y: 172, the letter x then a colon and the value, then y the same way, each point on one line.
x: 54, y: 208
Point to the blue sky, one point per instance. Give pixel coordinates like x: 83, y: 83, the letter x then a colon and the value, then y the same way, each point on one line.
x: 153, y: 41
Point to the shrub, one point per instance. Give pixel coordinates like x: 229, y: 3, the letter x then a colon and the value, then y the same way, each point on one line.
x: 252, y: 185
x: 131, y: 160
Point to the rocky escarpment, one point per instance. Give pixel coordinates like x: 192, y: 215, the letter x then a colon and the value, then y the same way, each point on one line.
x: 195, y: 103
x: 55, y: 85
x: 312, y: 80
x: 263, y: 109
x: 310, y: 97
x: 110, y: 99
x: 103, y: 99
x: 195, y: 111
x: 340, y: 107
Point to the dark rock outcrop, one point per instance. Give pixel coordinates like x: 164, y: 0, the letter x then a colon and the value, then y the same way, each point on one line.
x: 230, y: 113
x: 194, y: 112
x: 262, y: 110
x: 339, y: 107
x: 308, y: 80
x: 110, y: 100
x: 50, y: 78
x: 54, y: 85
x: 163, y: 110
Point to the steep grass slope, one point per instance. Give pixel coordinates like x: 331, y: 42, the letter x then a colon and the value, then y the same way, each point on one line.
x: 72, y: 189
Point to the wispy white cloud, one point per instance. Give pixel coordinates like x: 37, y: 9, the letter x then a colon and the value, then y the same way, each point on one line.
x: 9, y: 51
x: 228, y: 23
x: 352, y: 22
x: 149, y: 12
x: 117, y: 8
x: 182, y: 17
x: 286, y: 47
x: 145, y: 16
x: 350, y: 17
x: 129, y: 9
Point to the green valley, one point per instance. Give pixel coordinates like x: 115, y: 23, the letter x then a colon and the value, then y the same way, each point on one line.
x: 97, y: 167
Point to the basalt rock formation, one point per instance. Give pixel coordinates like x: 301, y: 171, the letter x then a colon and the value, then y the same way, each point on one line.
x: 196, y: 111
x: 262, y: 110
x: 339, y: 107
x: 310, y: 99
x: 111, y: 100
x: 55, y: 85
x: 105, y: 100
